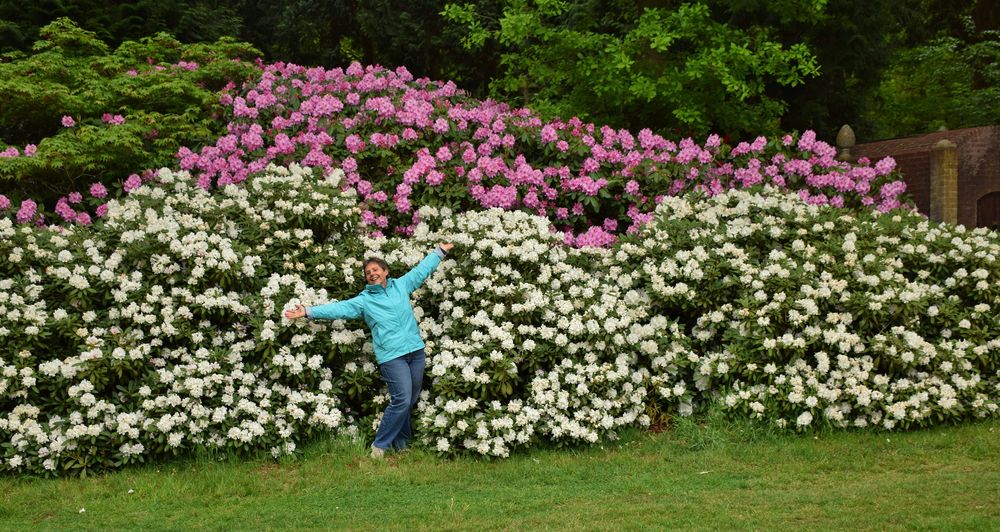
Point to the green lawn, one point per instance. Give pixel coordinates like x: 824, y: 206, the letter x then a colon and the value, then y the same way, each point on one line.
x: 716, y: 475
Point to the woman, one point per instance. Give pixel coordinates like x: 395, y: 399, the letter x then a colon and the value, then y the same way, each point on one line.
x: 385, y: 306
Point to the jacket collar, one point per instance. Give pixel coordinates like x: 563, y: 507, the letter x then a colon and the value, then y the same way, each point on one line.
x: 377, y: 288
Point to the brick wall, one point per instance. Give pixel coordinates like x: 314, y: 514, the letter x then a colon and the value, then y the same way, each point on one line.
x: 978, y: 165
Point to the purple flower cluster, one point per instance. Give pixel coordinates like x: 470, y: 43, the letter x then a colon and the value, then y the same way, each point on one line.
x: 402, y: 136
x: 403, y: 142
x: 112, y: 120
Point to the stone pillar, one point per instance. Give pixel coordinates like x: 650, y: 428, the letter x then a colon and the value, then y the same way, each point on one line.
x: 944, y: 182
x: 845, y: 141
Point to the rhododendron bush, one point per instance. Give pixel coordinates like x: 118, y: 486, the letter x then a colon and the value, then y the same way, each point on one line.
x: 404, y: 143
x: 601, y: 279
x: 158, y: 331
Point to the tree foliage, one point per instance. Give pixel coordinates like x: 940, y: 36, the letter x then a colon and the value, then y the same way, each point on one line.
x: 671, y: 68
x: 164, y: 92
x: 949, y: 78
x: 116, y: 22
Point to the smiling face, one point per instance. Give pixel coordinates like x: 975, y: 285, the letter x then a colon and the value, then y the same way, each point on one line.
x: 375, y: 273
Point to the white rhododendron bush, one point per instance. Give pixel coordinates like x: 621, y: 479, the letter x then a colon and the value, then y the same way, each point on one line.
x: 159, y: 330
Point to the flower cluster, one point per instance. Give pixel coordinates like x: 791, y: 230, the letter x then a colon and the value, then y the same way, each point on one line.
x: 404, y: 143
x: 155, y: 331
x: 399, y: 140
x: 159, y: 331
x: 805, y: 316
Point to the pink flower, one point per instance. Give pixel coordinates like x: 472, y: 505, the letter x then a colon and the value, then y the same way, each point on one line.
x: 885, y: 166
x: 102, y: 210
x: 4, y: 202
x: 133, y: 182
x: 549, y: 134
x: 75, y: 197
x: 83, y: 218
x: 67, y: 121
x: 354, y: 143
x: 64, y: 210
x: 595, y: 237
x: 98, y: 190
x: 434, y: 178
x: 27, y: 211
x: 30, y: 150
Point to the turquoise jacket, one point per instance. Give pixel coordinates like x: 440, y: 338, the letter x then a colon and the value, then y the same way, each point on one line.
x: 386, y: 310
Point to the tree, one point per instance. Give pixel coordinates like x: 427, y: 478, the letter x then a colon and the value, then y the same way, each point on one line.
x: 75, y: 113
x: 947, y: 73
x: 116, y: 22
x: 672, y: 67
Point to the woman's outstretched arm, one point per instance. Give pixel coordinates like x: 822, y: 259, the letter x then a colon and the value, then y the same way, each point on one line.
x: 338, y: 310
x: 416, y: 276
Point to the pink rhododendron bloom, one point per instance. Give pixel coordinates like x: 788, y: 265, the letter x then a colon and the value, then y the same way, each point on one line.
x: 67, y: 121
x: 549, y: 134
x: 9, y: 152
x: 133, y: 182
x: 30, y: 150
x: 807, y: 141
x: 83, y: 218
x: 27, y: 211
x: 434, y: 178
x: 403, y: 204
x: 885, y: 166
x: 594, y: 237
x: 354, y: 143
x: 101, y: 210
x: 75, y: 197
x: 113, y: 120
x: 4, y: 202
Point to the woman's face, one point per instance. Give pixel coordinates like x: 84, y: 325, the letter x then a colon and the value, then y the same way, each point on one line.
x: 374, y: 274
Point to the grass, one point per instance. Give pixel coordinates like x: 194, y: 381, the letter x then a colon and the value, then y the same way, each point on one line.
x: 708, y: 474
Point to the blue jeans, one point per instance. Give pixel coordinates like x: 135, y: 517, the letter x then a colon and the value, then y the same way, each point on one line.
x: 404, y: 376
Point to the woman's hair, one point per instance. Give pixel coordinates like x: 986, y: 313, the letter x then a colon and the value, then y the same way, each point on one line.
x: 381, y: 264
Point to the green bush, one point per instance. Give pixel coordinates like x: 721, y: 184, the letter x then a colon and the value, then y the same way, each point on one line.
x: 166, y: 92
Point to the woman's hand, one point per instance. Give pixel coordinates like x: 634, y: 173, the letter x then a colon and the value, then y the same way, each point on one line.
x: 298, y: 312
x: 446, y: 246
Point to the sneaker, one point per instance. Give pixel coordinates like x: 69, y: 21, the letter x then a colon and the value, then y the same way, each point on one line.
x: 378, y: 453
